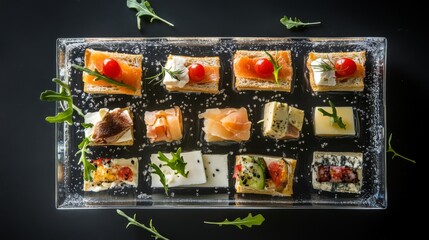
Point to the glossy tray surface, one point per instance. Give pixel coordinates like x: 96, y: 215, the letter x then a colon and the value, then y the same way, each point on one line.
x: 368, y: 105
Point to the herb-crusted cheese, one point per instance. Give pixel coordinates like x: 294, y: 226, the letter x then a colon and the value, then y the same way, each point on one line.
x: 276, y: 116
x: 296, y: 117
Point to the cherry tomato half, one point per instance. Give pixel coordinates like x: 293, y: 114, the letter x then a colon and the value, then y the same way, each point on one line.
x: 111, y: 68
x: 125, y: 173
x: 278, y: 172
x: 264, y: 68
x: 196, y: 72
x: 237, y: 170
x: 345, y: 67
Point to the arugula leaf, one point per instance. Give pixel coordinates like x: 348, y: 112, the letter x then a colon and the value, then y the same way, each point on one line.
x: 87, y: 166
x: 248, y: 221
x: 87, y: 125
x: 276, y: 65
x: 161, y: 175
x: 63, y: 96
x: 133, y: 221
x: 333, y: 115
x: 295, y: 23
x: 144, y: 9
x: 100, y: 76
x: 176, y: 163
x: 395, y: 153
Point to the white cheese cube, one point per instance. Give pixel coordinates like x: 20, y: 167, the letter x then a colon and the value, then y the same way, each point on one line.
x: 216, y: 167
x: 275, y: 119
x: 325, y: 128
x: 296, y: 117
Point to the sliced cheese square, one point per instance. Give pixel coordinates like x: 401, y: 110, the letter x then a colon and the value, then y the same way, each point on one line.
x: 194, y: 165
x: 216, y: 167
x: 325, y: 128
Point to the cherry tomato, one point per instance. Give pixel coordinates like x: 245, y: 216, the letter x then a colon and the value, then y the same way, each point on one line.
x: 196, y: 72
x: 111, y: 68
x: 98, y: 161
x: 278, y: 172
x: 345, y: 67
x: 125, y: 173
x: 237, y: 170
x: 264, y: 68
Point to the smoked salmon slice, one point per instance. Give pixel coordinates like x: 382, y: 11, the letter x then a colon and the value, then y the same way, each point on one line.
x: 164, y: 125
x: 228, y: 124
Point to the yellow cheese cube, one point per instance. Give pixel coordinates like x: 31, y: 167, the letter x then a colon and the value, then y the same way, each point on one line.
x: 325, y: 128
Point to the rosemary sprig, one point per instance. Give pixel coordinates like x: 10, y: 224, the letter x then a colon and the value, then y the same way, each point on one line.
x: 324, y: 66
x: 395, y: 153
x: 276, y: 65
x: 100, y: 76
x: 173, y: 73
x: 133, y: 221
x: 334, y: 117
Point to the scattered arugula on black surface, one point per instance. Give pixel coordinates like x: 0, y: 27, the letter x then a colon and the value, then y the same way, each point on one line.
x: 295, y: 23
x: 133, y: 221
x: 87, y: 166
x: 248, y: 221
x: 63, y: 96
x: 144, y: 9
x: 334, y: 117
x: 161, y: 175
x: 395, y: 153
x: 100, y: 76
x: 173, y: 74
x: 276, y: 66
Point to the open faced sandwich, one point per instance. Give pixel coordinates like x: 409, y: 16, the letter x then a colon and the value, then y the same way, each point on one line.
x: 164, y: 125
x: 264, y: 175
x: 338, y: 71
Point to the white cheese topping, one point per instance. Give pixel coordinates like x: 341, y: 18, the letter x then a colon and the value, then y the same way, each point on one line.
x: 216, y: 167
x: 323, y: 78
x: 176, y: 64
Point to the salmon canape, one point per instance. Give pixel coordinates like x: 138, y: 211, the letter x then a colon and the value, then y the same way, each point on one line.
x: 164, y: 125
x: 228, y: 124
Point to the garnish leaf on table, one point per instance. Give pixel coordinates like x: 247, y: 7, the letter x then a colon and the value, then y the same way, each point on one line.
x: 295, y: 23
x: 161, y: 175
x: 100, y: 76
x: 248, y: 221
x: 173, y: 74
x: 63, y: 96
x: 176, y: 163
x: 334, y: 117
x: 87, y: 166
x: 144, y: 9
x: 395, y: 154
x: 133, y: 221
x: 276, y: 66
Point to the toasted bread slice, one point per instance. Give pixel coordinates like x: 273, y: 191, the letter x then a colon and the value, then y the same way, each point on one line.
x: 352, y: 84
x: 285, y: 192
x: 249, y: 81
x: 131, y: 65
x: 211, y: 86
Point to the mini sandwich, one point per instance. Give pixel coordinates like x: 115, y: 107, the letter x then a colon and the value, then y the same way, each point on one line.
x: 337, y: 171
x: 126, y: 69
x: 339, y: 71
x: 110, y: 127
x: 282, y: 121
x: 112, y: 173
x: 164, y: 125
x: 254, y: 70
x: 264, y: 175
x: 192, y: 74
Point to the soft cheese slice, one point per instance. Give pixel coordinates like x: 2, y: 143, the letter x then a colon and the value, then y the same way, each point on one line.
x: 194, y: 165
x: 296, y: 117
x: 275, y: 119
x: 216, y: 167
x: 323, y: 126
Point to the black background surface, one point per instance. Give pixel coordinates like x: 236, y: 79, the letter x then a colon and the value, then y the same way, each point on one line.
x: 29, y: 30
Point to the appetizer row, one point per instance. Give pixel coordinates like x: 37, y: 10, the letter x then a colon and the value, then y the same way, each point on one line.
x: 120, y: 73
x: 254, y: 174
x: 280, y: 121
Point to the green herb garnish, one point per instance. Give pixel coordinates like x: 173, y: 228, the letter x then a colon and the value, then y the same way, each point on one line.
x: 100, y: 76
x: 276, y: 66
x: 324, y: 66
x: 173, y: 73
x: 87, y: 166
x: 161, y: 175
x: 295, y: 23
x: 144, y: 9
x: 176, y: 163
x: 87, y: 125
x: 334, y: 117
x: 63, y: 96
x: 133, y: 221
x: 395, y: 153
x: 248, y: 221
